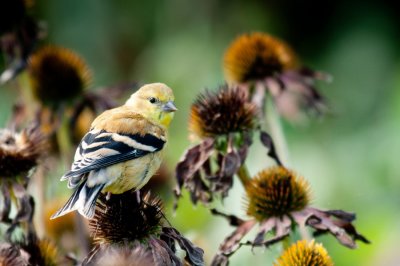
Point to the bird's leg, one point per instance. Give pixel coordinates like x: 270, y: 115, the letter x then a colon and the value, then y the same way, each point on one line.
x: 138, y: 195
x: 108, y: 196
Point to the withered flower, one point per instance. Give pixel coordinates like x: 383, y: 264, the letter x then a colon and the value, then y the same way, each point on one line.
x: 29, y: 251
x: 224, y: 121
x: 261, y: 62
x: 221, y: 113
x: 123, y: 221
x: 303, y: 253
x: 277, y: 200
x: 20, y: 151
x: 57, y: 75
x: 19, y: 154
x: 11, y: 255
x: 19, y: 33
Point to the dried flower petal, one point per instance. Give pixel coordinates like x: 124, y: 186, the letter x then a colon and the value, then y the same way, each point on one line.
x: 194, y: 255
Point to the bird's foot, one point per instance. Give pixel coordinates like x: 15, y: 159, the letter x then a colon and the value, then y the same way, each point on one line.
x: 138, y: 196
x: 108, y: 196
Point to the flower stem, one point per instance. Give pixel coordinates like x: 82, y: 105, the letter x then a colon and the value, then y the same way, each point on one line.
x: 274, y: 124
x: 244, y: 175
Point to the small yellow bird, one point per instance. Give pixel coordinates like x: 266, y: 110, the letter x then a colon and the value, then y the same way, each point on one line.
x: 122, y: 150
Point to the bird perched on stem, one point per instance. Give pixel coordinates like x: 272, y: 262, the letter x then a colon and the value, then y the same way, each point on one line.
x: 122, y: 150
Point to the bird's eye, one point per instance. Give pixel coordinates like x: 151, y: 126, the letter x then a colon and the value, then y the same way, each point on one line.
x: 152, y: 100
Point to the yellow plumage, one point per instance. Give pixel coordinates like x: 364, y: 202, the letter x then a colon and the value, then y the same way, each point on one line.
x: 122, y: 150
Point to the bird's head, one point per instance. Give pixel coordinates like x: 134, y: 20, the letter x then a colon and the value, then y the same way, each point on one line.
x: 155, y: 102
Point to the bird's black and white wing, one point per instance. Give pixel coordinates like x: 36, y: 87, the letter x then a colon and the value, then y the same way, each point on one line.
x: 99, y: 149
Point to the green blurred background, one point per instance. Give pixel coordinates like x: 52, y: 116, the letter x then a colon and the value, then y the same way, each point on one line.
x: 350, y: 157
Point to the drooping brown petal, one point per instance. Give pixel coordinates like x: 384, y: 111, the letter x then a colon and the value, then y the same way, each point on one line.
x: 282, y: 228
x: 244, y: 148
x: 6, y: 205
x: 194, y: 255
x: 220, y: 260
x: 26, y: 204
x: 232, y: 219
x: 266, y: 140
x: 229, y: 164
x: 344, y: 220
x: 231, y: 243
x: 162, y: 254
x: 338, y: 223
x: 319, y: 75
x: 192, y: 161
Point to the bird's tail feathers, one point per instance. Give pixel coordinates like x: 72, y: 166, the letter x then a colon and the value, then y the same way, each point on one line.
x: 89, y: 205
x: 83, y: 200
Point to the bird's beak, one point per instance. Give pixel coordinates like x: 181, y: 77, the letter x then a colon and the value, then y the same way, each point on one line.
x: 169, y: 107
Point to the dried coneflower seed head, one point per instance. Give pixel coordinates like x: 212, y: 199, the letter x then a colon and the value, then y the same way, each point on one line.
x: 57, y: 75
x: 225, y: 111
x: 20, y: 152
x: 121, y: 219
x: 303, y: 253
x: 256, y: 56
x: 276, y: 191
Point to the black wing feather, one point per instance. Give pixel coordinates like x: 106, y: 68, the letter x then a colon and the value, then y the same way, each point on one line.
x: 124, y: 151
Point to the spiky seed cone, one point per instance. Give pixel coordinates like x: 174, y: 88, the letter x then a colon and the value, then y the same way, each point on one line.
x: 20, y: 152
x: 256, y: 56
x: 122, y: 219
x: 276, y: 191
x: 303, y: 253
x: 57, y: 75
x: 225, y: 111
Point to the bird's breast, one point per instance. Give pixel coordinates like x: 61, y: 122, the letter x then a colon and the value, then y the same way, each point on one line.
x: 132, y: 174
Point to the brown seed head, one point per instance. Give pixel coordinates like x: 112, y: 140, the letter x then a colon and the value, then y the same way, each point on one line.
x: 303, y: 253
x: 20, y: 152
x: 257, y: 56
x: 57, y: 75
x: 276, y: 191
x: 122, y: 219
x: 219, y: 113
